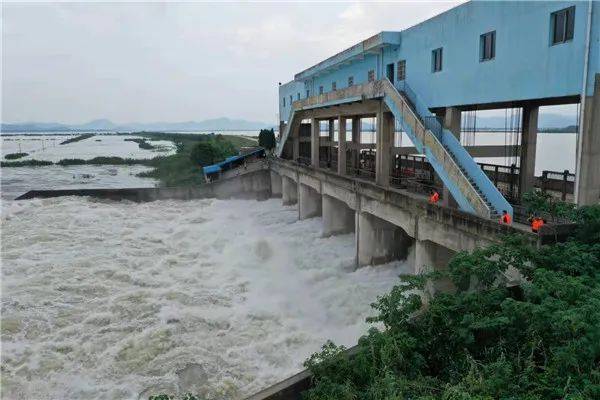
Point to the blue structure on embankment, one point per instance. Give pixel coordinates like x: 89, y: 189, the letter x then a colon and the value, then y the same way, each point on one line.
x: 213, y: 171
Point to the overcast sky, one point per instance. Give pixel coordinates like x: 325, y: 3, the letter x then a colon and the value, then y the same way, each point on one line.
x: 148, y: 62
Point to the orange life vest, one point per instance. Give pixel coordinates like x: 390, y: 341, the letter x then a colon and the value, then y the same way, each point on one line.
x: 505, y: 219
x: 434, y: 198
x: 536, y: 224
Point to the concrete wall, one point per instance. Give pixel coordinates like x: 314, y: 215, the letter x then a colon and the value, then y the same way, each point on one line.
x: 255, y: 185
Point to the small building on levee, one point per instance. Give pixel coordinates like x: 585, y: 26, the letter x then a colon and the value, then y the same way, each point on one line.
x: 219, y: 170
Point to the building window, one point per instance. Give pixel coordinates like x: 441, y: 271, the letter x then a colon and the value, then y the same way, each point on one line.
x: 307, y: 93
x: 487, y: 46
x: 320, y: 89
x: 334, y: 86
x: 291, y: 99
x: 350, y: 81
x: 371, y: 75
x: 401, y: 70
x: 284, y: 101
x: 298, y: 95
x: 562, y: 25
x: 436, y: 60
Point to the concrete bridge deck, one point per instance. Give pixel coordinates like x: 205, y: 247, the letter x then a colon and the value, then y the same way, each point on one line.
x: 386, y: 221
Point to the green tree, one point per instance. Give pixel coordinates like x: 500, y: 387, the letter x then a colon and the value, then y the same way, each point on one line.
x: 266, y: 139
x: 205, y: 153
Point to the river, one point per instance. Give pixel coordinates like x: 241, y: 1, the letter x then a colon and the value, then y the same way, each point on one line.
x: 118, y: 300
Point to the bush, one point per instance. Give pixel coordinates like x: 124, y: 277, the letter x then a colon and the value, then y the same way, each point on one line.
x: 538, y: 340
x: 15, y: 156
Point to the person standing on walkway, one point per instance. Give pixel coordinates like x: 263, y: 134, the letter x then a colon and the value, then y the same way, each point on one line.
x: 505, y: 219
x: 434, y: 197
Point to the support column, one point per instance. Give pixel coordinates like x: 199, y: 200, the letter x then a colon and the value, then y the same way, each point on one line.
x: 356, y: 133
x: 380, y: 241
x: 276, y: 184
x: 587, y: 176
x: 431, y: 257
x: 296, y: 150
x: 528, y: 149
x: 383, y: 145
x: 309, y: 202
x: 331, y: 127
x: 341, y: 166
x: 289, y: 191
x: 452, y: 121
x: 338, y: 218
x: 314, y: 142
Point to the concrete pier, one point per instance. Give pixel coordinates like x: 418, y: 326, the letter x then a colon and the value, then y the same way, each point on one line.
x: 380, y: 241
x: 276, y: 185
x: 338, y: 218
x: 430, y: 257
x: 289, y: 191
x: 309, y: 202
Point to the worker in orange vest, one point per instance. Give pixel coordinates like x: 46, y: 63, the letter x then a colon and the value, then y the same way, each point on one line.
x: 505, y: 218
x: 434, y: 197
x: 536, y: 224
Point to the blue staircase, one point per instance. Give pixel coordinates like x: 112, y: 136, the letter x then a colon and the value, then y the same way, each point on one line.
x: 468, y: 184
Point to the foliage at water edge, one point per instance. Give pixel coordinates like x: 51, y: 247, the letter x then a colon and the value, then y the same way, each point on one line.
x: 537, y: 340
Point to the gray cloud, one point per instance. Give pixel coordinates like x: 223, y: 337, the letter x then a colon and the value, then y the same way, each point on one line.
x: 73, y: 62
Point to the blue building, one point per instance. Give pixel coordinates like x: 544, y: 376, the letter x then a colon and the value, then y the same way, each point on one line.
x: 477, y: 56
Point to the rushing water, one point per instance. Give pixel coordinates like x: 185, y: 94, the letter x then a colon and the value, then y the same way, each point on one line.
x: 117, y: 300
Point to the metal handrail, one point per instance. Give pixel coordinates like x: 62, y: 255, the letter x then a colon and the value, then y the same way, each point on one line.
x: 482, y: 201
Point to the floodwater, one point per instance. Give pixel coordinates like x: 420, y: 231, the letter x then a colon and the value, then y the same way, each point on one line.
x: 118, y: 300
x: 15, y: 181
x: 48, y: 147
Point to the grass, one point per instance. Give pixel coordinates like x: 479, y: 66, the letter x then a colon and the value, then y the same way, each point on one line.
x: 15, y: 156
x: 173, y: 170
x: 78, y: 138
x: 178, y: 169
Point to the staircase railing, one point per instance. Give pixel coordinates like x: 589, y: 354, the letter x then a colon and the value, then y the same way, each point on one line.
x: 468, y: 184
x: 283, y: 136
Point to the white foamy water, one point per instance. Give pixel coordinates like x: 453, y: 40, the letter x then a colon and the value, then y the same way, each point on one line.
x: 116, y: 300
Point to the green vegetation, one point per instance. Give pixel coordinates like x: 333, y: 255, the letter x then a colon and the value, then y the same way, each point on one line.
x: 537, y: 340
x: 142, y: 143
x: 179, y: 169
x: 25, y: 163
x: 193, y: 151
x: 266, y: 139
x: 78, y: 138
x: 15, y: 156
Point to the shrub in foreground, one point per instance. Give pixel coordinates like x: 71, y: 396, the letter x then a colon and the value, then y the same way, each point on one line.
x: 538, y: 340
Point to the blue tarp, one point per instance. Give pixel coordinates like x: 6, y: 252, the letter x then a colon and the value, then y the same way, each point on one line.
x: 227, y: 164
